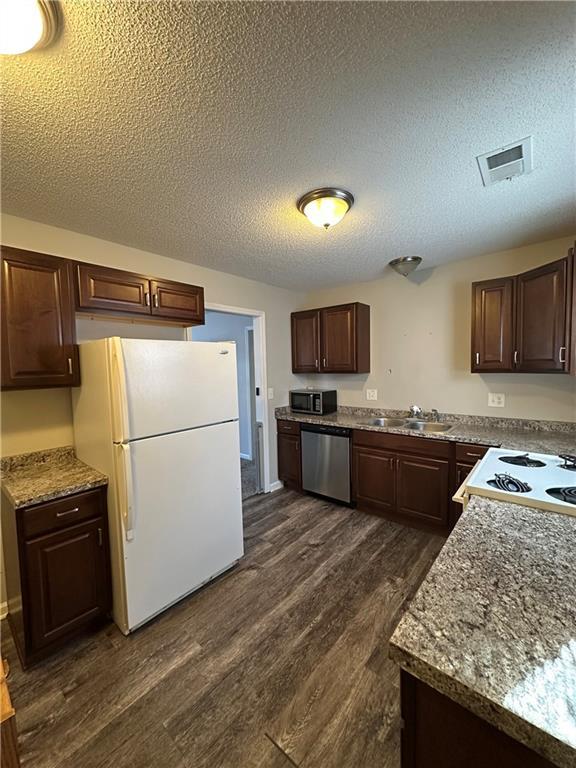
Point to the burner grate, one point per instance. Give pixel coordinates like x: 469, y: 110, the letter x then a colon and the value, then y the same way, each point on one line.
x: 524, y: 460
x: 569, y: 461
x: 505, y: 482
x: 567, y: 494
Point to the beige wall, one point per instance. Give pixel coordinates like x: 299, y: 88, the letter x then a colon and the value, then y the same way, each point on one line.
x: 33, y: 420
x: 420, y: 337
x: 421, y: 342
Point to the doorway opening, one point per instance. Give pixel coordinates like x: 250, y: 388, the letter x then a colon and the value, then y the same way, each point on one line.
x: 246, y: 330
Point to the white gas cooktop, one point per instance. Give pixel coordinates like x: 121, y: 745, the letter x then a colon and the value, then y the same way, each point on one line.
x: 533, y: 479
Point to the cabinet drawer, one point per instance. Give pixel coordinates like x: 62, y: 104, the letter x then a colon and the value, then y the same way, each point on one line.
x: 289, y: 427
x: 55, y: 515
x: 421, y: 446
x: 468, y: 453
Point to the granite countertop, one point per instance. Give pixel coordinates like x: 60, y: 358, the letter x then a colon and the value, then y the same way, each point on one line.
x: 516, y: 434
x: 31, y: 478
x: 493, y: 625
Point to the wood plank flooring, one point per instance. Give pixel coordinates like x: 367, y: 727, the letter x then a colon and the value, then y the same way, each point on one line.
x: 282, y: 662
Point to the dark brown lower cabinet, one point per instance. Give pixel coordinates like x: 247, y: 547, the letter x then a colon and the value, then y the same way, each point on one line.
x: 439, y: 733
x: 374, y: 478
x: 403, y: 478
x: 423, y: 489
x: 57, y: 571
x: 289, y: 454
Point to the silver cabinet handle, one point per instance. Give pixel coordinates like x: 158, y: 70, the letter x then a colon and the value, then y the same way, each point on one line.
x: 477, y: 358
x: 316, y: 363
x: 99, y: 537
x: 474, y: 455
x: 147, y: 299
x: 70, y: 369
x: 562, y: 355
x: 324, y: 362
x: 68, y: 512
x: 515, y: 357
x: 155, y: 297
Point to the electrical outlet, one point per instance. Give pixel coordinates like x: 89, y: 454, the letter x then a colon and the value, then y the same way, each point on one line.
x: 270, y: 393
x: 496, y: 399
x: 371, y: 394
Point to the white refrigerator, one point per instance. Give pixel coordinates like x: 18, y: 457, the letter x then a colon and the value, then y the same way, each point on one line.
x: 160, y: 418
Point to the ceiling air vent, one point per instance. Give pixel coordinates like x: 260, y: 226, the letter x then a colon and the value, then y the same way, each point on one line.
x: 505, y: 163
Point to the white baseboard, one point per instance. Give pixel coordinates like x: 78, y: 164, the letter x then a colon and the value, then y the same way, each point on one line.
x: 3, y: 610
x: 276, y: 486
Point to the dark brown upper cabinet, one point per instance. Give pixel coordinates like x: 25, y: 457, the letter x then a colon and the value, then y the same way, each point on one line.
x: 112, y: 291
x: 332, y: 339
x: 542, y: 319
x: 306, y: 341
x: 492, y: 325
x: 177, y: 300
x: 526, y: 323
x: 38, y: 332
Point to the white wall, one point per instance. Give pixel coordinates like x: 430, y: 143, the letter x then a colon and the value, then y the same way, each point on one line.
x: 420, y: 336
x: 37, y: 419
x: 222, y: 327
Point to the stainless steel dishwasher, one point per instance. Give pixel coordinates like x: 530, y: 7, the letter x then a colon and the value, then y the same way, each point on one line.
x: 326, y: 461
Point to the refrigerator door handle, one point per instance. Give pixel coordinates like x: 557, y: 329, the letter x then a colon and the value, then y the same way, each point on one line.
x: 120, y: 406
x: 128, y: 506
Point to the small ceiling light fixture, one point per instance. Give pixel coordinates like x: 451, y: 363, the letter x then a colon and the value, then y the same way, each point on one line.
x: 326, y: 206
x: 405, y: 264
x: 26, y: 25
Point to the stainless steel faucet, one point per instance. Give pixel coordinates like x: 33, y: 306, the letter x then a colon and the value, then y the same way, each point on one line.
x: 416, y: 412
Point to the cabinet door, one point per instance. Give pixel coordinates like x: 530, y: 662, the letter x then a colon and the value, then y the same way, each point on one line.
x: 338, y: 335
x: 422, y: 489
x: 492, y: 322
x: 289, y: 462
x: 374, y: 479
x: 112, y: 290
x: 67, y: 580
x: 178, y: 301
x: 38, y: 332
x: 541, y: 310
x: 305, y: 341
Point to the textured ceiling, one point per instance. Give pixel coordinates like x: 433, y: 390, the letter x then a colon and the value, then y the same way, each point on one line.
x: 190, y: 129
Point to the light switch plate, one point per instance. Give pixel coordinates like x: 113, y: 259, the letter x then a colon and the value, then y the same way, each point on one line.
x: 270, y: 393
x: 496, y: 399
x: 371, y: 394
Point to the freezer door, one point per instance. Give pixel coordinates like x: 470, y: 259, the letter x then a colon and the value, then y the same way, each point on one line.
x: 186, y: 521
x: 166, y: 386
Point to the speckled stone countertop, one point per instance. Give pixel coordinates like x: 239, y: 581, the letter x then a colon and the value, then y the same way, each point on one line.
x: 516, y: 434
x: 31, y: 478
x: 493, y: 625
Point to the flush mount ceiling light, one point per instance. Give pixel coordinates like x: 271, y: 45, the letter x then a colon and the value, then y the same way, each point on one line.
x: 405, y: 265
x: 326, y: 206
x: 26, y: 25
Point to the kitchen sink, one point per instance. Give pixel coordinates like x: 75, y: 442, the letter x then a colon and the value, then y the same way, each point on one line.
x: 383, y: 422
x: 427, y: 426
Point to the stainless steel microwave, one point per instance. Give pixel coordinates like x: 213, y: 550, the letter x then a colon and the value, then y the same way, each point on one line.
x: 316, y: 401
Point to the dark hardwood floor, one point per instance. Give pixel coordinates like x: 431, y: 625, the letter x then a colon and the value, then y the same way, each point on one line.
x: 282, y: 662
